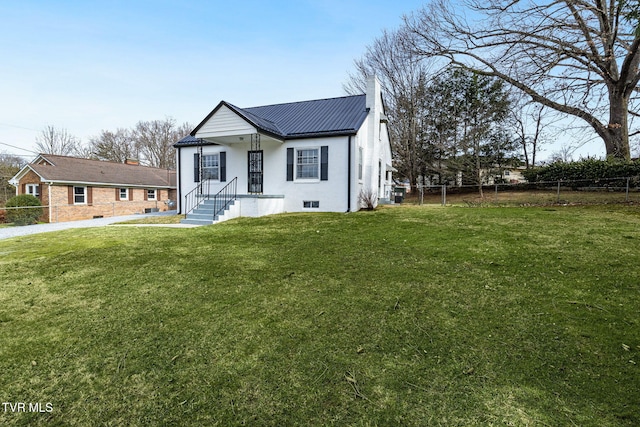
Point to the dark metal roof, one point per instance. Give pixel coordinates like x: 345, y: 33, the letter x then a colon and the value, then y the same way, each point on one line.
x: 192, y: 140
x: 322, y: 116
x: 305, y: 119
x: 258, y: 121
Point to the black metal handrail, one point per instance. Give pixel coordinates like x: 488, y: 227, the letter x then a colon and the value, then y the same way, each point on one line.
x: 193, y: 198
x: 202, y: 192
x: 228, y: 194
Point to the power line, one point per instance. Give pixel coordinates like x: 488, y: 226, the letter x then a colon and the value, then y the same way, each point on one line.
x: 18, y: 148
x: 19, y: 127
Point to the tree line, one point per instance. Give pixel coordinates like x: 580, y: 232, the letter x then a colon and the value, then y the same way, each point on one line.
x: 150, y: 142
x: 470, y: 84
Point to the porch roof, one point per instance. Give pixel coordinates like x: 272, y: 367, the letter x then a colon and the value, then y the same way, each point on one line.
x: 305, y: 119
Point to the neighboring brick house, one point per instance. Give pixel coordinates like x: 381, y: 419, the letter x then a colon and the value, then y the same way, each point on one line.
x: 71, y: 188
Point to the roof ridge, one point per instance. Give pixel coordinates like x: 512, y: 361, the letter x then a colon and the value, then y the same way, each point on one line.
x: 113, y: 162
x: 302, y: 102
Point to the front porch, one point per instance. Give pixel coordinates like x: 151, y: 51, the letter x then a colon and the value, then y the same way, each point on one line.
x: 209, y: 209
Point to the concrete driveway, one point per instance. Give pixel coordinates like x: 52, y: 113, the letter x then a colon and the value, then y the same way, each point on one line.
x: 8, y: 232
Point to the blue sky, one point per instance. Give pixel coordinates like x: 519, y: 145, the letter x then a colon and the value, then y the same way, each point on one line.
x: 92, y: 65
x: 86, y: 66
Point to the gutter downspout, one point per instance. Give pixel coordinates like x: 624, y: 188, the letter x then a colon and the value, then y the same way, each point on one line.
x: 178, y: 193
x: 49, y: 201
x: 349, y: 175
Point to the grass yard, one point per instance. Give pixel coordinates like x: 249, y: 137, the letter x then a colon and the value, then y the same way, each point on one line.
x: 155, y: 219
x: 408, y: 316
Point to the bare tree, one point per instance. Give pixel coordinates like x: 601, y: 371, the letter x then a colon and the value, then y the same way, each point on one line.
x: 57, y: 141
x: 9, y: 166
x: 115, y: 146
x: 403, y: 78
x: 531, y: 124
x: 155, y: 139
x: 84, y: 152
x: 564, y: 154
x: 579, y: 57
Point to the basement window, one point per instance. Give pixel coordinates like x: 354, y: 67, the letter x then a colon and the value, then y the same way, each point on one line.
x: 311, y: 204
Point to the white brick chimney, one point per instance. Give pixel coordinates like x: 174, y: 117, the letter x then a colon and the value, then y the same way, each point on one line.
x: 373, y: 153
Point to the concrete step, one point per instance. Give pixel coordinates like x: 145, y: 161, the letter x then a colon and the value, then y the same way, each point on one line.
x: 202, y: 216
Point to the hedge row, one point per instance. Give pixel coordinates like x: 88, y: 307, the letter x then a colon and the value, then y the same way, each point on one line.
x: 28, y: 209
x: 586, y: 169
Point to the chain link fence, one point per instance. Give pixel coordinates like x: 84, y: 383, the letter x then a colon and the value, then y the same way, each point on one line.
x: 563, y: 192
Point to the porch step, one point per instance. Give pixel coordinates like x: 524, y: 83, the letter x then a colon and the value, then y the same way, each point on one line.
x: 204, y: 213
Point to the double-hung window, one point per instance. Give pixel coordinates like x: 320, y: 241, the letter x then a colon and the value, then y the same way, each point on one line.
x: 151, y: 194
x: 80, y: 195
x: 211, y: 166
x: 33, y: 189
x: 124, y: 194
x: 307, y: 163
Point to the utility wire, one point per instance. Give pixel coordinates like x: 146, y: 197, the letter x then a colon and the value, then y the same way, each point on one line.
x: 18, y: 148
x: 18, y: 127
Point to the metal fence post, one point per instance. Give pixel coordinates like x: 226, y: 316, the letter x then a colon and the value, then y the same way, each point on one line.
x: 558, y: 199
x: 444, y: 195
x: 626, y: 197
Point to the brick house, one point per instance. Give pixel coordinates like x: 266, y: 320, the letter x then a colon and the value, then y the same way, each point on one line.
x: 71, y: 188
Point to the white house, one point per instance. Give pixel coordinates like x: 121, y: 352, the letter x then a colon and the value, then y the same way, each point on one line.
x: 318, y: 155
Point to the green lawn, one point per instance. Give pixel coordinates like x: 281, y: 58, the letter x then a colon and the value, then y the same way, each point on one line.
x: 155, y: 219
x: 411, y: 315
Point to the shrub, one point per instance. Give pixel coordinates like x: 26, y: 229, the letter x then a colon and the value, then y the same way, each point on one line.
x: 23, y: 215
x: 368, y: 199
x: 585, y: 169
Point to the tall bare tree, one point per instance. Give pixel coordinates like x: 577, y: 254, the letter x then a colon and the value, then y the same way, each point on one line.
x: 154, y: 140
x: 531, y: 125
x: 58, y: 141
x: 579, y: 57
x: 115, y: 146
x: 403, y: 78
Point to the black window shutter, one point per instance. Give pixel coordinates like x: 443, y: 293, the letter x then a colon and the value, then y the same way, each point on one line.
x: 223, y: 166
x: 289, y: 164
x: 196, y: 167
x: 324, y: 163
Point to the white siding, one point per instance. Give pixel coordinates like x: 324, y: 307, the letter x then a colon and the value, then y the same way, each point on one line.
x: 225, y: 123
x: 331, y: 194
